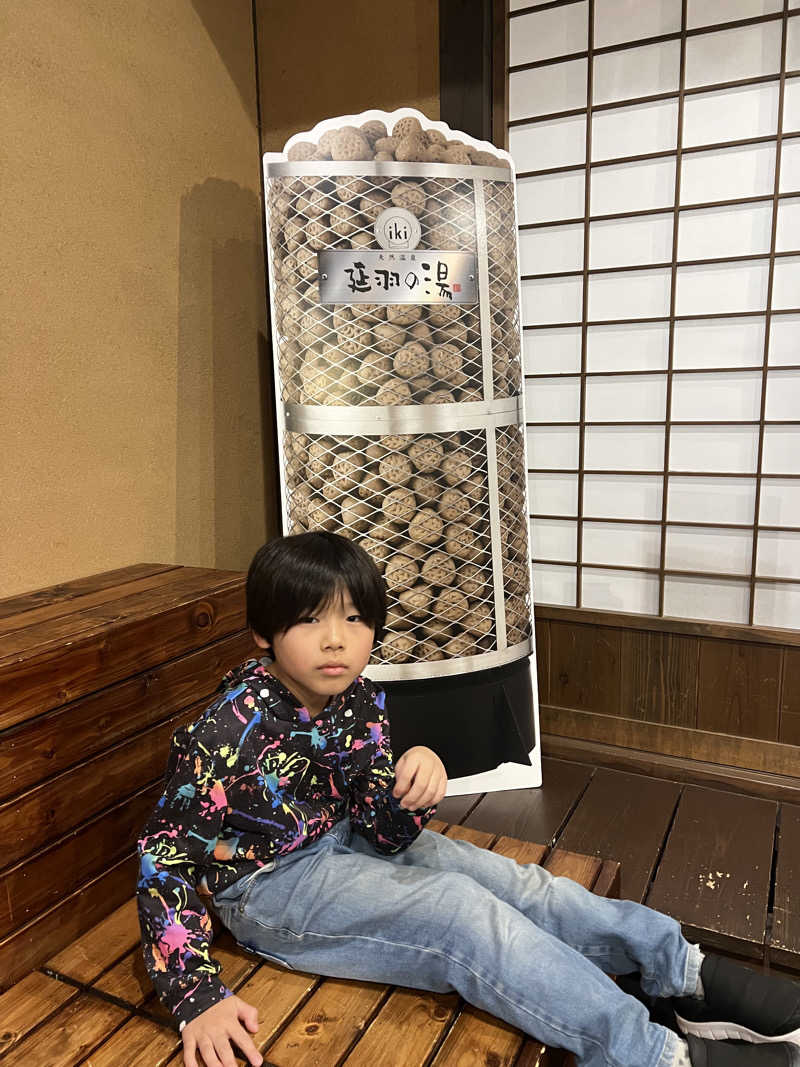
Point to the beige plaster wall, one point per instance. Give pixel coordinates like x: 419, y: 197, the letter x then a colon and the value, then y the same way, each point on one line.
x: 318, y: 59
x: 135, y: 408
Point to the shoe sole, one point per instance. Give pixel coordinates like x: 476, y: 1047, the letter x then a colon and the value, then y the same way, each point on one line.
x: 723, y: 1031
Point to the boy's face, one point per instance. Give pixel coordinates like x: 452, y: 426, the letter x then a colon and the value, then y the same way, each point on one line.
x: 320, y: 655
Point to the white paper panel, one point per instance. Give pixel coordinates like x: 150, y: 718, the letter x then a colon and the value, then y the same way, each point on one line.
x: 780, y: 502
x: 698, y: 548
x: 786, y: 283
x: 781, y: 449
x: 790, y: 167
x: 787, y: 238
x: 714, y: 233
x: 633, y: 346
x: 721, y: 288
x: 621, y: 544
x: 701, y: 500
x: 554, y: 248
x: 777, y: 605
x: 617, y: 590
x: 515, y: 5
x: 633, y: 186
x: 635, y: 130
x: 706, y: 598
x: 545, y: 34
x: 778, y: 554
x: 730, y: 114
x: 622, y: 496
x: 551, y: 300
x: 552, y: 143
x: 783, y: 397
x: 641, y: 294
x: 732, y: 55
x: 543, y: 90
x: 719, y: 343
x: 555, y: 351
x: 632, y: 398
x: 784, y: 341
x: 630, y: 20
x: 791, y: 105
x: 714, y: 448
x: 551, y: 197
x: 712, y: 12
x: 624, y: 448
x: 793, y: 43
x: 728, y: 174
x: 628, y: 242
x: 553, y: 399
x: 555, y: 539
x: 704, y: 397
x: 636, y: 72
x: 554, y: 585
x: 553, y: 494
x: 553, y: 447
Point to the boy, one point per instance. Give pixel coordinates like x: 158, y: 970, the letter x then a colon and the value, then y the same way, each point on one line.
x: 284, y: 802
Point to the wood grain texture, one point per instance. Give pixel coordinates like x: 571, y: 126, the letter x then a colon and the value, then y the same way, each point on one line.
x: 784, y: 941
x: 453, y: 809
x: 737, y: 690
x: 70, y: 1035
x: 28, y: 1004
x: 542, y: 638
x: 714, y: 876
x: 608, y: 823
x: 533, y: 814
x: 406, y: 1030
x: 789, y: 729
x: 100, y: 947
x: 138, y: 1043
x: 78, y: 587
x: 585, y: 668
x: 659, y: 677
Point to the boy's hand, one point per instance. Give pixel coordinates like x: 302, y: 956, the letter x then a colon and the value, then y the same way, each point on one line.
x: 212, y: 1032
x: 421, y: 780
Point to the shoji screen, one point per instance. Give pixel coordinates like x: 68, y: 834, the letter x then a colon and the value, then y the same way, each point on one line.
x: 658, y: 150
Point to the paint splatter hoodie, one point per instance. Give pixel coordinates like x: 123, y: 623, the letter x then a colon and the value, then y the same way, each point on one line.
x: 255, y: 777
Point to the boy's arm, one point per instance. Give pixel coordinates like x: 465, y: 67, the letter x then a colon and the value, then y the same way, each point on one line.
x: 178, y: 838
x: 375, y: 812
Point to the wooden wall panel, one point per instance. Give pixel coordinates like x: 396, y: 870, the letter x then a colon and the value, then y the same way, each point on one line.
x: 542, y: 638
x: 790, y: 698
x: 658, y: 675
x: 738, y: 689
x: 584, y: 667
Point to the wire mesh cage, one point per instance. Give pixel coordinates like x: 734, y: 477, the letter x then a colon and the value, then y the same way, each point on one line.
x: 400, y: 414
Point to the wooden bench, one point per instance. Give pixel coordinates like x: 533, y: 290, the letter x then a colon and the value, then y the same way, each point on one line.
x: 92, y: 1002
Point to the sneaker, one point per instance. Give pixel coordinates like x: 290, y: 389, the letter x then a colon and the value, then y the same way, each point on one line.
x: 703, y: 1053
x: 741, y: 1005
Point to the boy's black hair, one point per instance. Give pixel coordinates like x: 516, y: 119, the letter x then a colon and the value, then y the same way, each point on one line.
x: 292, y: 576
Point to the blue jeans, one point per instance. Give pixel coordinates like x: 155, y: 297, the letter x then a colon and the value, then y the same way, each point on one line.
x: 445, y: 915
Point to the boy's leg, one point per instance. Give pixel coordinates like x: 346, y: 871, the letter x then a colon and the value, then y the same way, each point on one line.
x: 619, y: 936
x: 335, y: 911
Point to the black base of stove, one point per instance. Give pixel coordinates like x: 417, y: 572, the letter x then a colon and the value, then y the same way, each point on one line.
x: 473, y: 722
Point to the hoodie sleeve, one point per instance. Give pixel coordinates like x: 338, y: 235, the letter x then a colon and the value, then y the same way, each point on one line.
x: 178, y: 839
x: 374, y: 812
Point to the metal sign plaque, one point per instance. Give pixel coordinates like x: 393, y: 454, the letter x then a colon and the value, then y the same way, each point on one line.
x: 422, y: 276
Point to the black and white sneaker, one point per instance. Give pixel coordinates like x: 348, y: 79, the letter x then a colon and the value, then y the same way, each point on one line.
x: 703, y: 1053
x: 741, y: 1005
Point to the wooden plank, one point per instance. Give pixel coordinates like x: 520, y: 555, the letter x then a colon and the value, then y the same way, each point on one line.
x: 28, y: 1004
x: 466, y: 833
x: 542, y: 635
x: 49, y: 933
x: 737, y: 690
x: 70, y: 1035
x: 659, y: 677
x: 453, y: 809
x: 789, y: 730
x: 533, y: 814
x: 42, y: 748
x: 100, y: 947
x: 143, y: 631
x: 61, y: 608
x: 40, y: 816
x: 478, y: 1039
x: 784, y: 942
x: 715, y: 872
x: 138, y: 1043
x: 564, y: 864
x: 41, y: 881
x: 624, y: 817
x: 406, y: 1030
x: 78, y: 587
x: 585, y: 667
x: 521, y: 851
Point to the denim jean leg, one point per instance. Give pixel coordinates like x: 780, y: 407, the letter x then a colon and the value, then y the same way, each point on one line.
x: 619, y: 936
x: 339, y: 911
